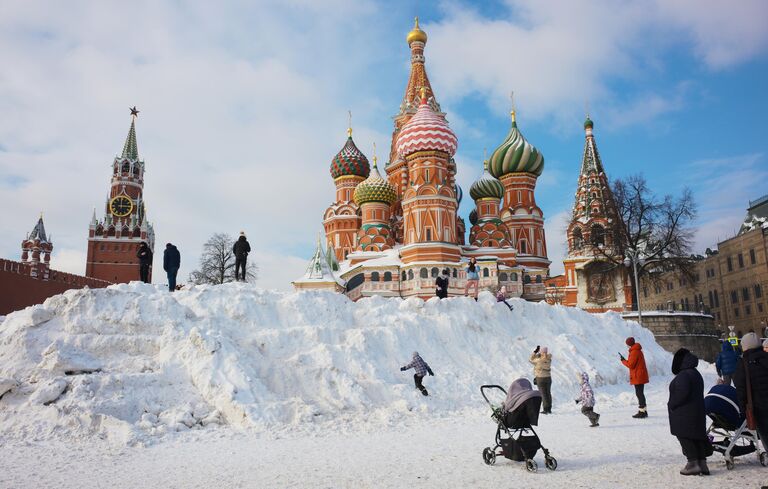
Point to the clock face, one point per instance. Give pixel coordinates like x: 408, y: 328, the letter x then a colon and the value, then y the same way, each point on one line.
x: 121, y: 206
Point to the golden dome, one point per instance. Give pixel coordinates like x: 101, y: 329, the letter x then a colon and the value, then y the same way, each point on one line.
x: 416, y: 34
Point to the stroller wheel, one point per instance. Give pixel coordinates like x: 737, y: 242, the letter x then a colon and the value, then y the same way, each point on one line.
x: 550, y: 463
x: 489, y: 456
x: 530, y: 465
x: 764, y: 459
x: 729, y: 464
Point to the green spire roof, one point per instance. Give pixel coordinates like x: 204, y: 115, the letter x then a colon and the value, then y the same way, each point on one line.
x: 130, y: 148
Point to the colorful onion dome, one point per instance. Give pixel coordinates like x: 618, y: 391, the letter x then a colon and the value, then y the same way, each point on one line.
x: 487, y: 186
x: 426, y: 131
x: 375, y: 189
x: 459, y: 193
x: 416, y: 34
x: 515, y: 155
x: 473, y: 216
x: 588, y: 124
x: 350, y: 161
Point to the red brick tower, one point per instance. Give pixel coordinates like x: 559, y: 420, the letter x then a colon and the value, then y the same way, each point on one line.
x: 113, y: 241
x: 36, y: 244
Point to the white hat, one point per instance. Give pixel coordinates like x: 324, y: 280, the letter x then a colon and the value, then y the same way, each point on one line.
x: 750, y: 341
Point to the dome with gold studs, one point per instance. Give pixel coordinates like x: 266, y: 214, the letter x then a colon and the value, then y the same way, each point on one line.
x: 375, y: 189
x: 416, y: 34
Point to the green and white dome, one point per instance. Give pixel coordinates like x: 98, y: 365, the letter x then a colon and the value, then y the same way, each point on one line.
x: 487, y: 186
x: 516, y: 155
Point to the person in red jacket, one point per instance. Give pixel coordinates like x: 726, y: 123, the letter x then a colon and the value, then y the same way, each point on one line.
x: 638, y: 374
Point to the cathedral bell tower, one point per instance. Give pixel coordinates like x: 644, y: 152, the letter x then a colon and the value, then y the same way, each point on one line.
x: 114, y: 240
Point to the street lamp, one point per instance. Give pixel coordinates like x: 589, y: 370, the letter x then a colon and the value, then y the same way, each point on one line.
x: 632, y: 259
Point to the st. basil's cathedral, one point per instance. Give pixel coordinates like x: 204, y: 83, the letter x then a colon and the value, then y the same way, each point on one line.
x: 392, y: 235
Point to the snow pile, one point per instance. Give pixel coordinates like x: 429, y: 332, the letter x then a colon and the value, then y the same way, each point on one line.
x: 132, y: 361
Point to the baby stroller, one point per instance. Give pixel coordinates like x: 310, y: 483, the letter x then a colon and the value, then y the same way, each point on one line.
x: 515, y: 419
x: 721, y: 405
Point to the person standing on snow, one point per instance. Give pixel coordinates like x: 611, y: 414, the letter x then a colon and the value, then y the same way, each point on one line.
x: 756, y: 360
x: 421, y: 368
x: 501, y: 296
x: 441, y: 284
x: 171, y: 264
x: 241, y: 249
x: 638, y: 374
x: 144, y: 254
x: 587, y: 400
x: 726, y: 363
x: 687, y: 418
x: 542, y: 366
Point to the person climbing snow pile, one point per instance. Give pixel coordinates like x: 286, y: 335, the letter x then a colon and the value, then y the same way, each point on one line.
x: 421, y: 370
x: 587, y: 399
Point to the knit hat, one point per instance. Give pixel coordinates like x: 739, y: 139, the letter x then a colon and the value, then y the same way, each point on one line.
x: 749, y: 341
x: 242, y: 233
x: 630, y: 341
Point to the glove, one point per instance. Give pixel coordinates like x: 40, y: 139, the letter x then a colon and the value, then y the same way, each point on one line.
x: 402, y: 369
x: 577, y: 401
x: 430, y: 372
x: 537, y: 349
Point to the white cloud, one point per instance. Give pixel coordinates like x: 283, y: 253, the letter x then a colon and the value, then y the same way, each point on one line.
x: 555, y: 228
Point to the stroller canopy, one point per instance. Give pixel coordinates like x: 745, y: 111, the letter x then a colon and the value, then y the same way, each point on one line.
x: 519, y: 391
x: 721, y: 401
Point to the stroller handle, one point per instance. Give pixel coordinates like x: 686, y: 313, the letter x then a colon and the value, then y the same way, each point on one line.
x: 483, y: 388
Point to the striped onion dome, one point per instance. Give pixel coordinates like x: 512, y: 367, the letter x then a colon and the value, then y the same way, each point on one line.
x: 375, y: 189
x: 350, y: 161
x: 473, y: 216
x: 516, y: 155
x: 426, y: 131
x: 487, y: 186
x: 459, y: 194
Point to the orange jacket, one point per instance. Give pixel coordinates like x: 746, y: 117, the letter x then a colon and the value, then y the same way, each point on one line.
x: 638, y: 373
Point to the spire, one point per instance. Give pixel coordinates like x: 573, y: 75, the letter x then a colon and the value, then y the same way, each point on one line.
x: 130, y: 148
x: 38, y: 232
x: 319, y: 268
x: 590, y: 161
x: 512, y: 110
x: 349, y: 125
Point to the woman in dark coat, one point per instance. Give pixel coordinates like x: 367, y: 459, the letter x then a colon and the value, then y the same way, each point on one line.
x: 687, y: 420
x: 441, y: 285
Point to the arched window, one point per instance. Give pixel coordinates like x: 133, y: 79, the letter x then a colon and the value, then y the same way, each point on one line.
x: 410, y: 274
x: 503, y: 276
x: 387, y: 276
x: 435, y: 272
x: 136, y: 171
x: 527, y: 279
x: 523, y: 247
x: 455, y: 273
x: 486, y: 273
x: 424, y: 273
x: 578, y: 239
x: 514, y: 276
x: 597, y: 235
x: 126, y: 167
x: 405, y: 276
x: 356, y: 281
x: 137, y: 232
x: 374, y: 276
x: 538, y: 279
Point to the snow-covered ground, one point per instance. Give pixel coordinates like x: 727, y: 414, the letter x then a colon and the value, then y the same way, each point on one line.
x: 232, y: 386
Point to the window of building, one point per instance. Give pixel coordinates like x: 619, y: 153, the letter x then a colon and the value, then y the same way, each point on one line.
x: 734, y: 297
x: 503, y: 276
x: 455, y: 273
x: 355, y: 281
x: 597, y: 235
x: 410, y: 274
x: 405, y: 276
x: 435, y: 272
x: 752, y: 257
x: 736, y: 311
x: 424, y: 273
x: 486, y: 273
x: 523, y: 247
x: 717, y: 299
x: 711, y: 300
x: 741, y: 260
x: 538, y: 279
x: 578, y: 239
x: 730, y: 264
x: 758, y: 291
x: 374, y: 276
x: 760, y: 307
x: 747, y: 310
x: 745, y: 294
x: 429, y: 234
x: 527, y: 279
x: 670, y: 286
x: 514, y: 276
x: 387, y: 276
x: 519, y: 196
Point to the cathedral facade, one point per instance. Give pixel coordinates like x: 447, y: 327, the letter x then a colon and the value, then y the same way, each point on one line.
x: 391, y: 233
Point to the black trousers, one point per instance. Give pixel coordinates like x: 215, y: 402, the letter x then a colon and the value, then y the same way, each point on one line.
x: 240, y: 265
x: 640, y: 393
x: 417, y: 380
x: 144, y: 272
x: 694, y: 449
x: 545, y: 387
x: 172, y: 278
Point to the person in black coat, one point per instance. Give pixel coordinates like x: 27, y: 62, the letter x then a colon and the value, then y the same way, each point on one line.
x: 687, y: 419
x: 171, y: 264
x: 144, y: 254
x: 241, y: 250
x: 756, y: 360
x: 441, y: 284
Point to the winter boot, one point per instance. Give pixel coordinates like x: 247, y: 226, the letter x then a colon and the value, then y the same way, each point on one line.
x: 641, y: 413
x: 595, y: 420
x: 691, y: 468
x: 703, y: 467
x: 424, y: 391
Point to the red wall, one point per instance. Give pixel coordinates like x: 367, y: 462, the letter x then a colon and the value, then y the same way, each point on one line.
x: 18, y: 289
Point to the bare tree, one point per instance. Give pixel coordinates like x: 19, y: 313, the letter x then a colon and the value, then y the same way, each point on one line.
x: 657, y: 231
x: 217, y: 262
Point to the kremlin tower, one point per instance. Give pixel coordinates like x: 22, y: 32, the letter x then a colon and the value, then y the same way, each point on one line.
x: 592, y: 281
x: 114, y: 240
x: 393, y: 235
x: 37, y: 246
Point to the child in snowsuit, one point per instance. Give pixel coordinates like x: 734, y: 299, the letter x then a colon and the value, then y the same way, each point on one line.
x: 421, y: 368
x: 501, y: 296
x: 587, y: 400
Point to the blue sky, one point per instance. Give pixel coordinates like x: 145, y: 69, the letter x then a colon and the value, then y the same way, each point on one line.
x: 244, y: 104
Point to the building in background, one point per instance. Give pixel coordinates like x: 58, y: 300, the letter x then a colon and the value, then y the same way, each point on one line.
x: 393, y: 234
x: 114, y: 240
x: 728, y: 282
